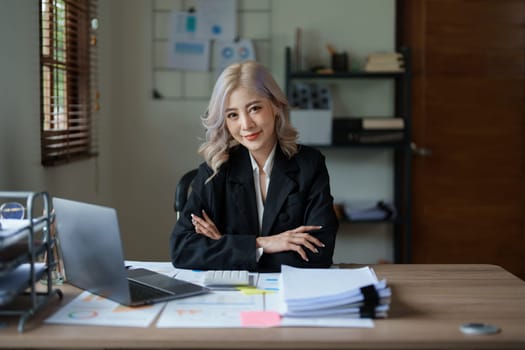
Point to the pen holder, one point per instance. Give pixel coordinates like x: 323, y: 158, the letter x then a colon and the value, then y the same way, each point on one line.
x: 340, y: 62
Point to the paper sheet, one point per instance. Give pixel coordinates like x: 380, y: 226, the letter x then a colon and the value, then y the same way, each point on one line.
x: 223, y: 309
x: 214, y: 310
x: 228, y: 52
x: 165, y: 268
x: 189, y: 54
x: 91, y: 309
x: 268, y: 282
x: 13, y: 230
x: 311, y: 283
x: 216, y: 19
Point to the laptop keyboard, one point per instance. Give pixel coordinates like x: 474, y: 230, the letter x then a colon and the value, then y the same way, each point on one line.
x: 141, y: 292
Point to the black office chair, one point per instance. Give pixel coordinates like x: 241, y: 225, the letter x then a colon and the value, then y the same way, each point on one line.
x: 183, y: 190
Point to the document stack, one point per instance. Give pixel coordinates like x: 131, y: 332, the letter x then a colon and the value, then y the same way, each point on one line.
x: 367, y: 130
x: 349, y: 293
x: 385, y: 62
x: 369, y: 210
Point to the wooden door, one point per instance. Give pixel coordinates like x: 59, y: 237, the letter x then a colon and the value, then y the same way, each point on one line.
x: 469, y: 111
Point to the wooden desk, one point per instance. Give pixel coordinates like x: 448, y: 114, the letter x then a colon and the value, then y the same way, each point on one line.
x: 428, y: 305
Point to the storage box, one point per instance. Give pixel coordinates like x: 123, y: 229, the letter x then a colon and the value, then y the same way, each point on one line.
x: 314, y: 125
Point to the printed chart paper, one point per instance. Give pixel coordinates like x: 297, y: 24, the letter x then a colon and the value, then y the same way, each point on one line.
x: 91, y: 309
x: 216, y: 19
x: 214, y: 310
x: 189, y: 54
x: 228, y: 52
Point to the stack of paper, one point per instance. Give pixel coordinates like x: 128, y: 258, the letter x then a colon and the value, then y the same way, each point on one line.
x: 362, y: 210
x: 355, y: 293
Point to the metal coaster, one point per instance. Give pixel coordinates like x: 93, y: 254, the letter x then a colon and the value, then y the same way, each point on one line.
x: 478, y: 328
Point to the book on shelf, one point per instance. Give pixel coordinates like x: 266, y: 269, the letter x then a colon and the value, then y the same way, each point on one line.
x: 354, y: 293
x: 383, y: 123
x: 385, y: 62
x: 385, y: 56
x: 371, y: 123
x: 388, y: 68
x: 378, y: 136
x: 348, y: 137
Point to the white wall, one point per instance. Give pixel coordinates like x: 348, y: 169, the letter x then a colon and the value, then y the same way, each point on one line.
x: 20, y: 116
x: 147, y: 144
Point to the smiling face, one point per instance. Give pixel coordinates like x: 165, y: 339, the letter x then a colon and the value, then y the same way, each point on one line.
x: 250, y: 119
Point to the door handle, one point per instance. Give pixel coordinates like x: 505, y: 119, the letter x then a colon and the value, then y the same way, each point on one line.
x: 420, y: 151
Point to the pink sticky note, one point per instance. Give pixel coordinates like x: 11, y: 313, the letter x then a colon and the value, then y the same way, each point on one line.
x: 260, y: 319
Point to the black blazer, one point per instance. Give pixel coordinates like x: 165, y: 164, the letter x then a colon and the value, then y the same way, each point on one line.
x: 298, y: 194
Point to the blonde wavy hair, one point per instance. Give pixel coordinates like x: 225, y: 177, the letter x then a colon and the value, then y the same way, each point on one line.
x: 249, y: 75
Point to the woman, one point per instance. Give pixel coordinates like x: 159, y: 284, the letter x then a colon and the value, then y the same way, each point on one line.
x: 259, y: 200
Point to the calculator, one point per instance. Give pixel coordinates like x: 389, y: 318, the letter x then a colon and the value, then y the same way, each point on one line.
x: 226, y: 278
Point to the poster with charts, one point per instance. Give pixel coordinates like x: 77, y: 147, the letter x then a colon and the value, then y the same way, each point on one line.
x: 91, y: 309
x: 189, y: 54
x: 212, y: 20
x: 191, y: 33
x: 185, y: 50
x: 232, y: 51
x: 216, y: 19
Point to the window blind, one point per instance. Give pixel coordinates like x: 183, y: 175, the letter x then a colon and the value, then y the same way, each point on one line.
x: 69, y: 94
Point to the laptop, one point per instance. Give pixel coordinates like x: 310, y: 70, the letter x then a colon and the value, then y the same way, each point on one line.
x: 91, y: 248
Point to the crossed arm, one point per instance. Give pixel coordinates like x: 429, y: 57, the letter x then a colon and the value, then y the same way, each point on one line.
x: 297, y: 239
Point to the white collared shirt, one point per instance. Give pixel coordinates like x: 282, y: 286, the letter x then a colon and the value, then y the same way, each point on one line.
x: 267, y: 169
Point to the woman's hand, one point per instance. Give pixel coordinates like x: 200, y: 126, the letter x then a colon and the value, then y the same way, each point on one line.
x: 295, y: 240
x: 205, y: 226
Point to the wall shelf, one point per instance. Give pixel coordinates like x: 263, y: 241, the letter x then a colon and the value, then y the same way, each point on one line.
x: 400, y: 145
